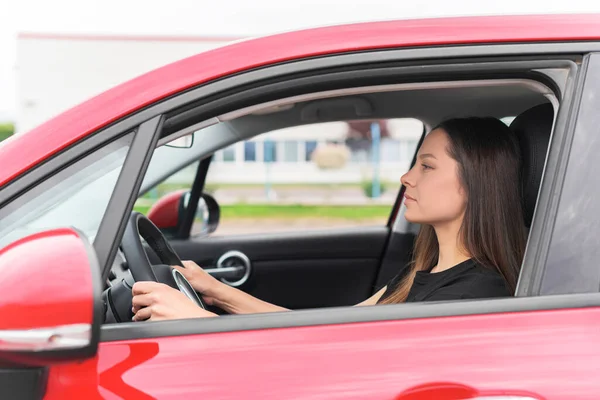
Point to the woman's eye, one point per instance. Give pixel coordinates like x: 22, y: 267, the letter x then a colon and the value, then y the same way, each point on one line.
x: 425, y: 166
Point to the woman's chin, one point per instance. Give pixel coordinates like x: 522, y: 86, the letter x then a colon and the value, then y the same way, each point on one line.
x: 414, y: 219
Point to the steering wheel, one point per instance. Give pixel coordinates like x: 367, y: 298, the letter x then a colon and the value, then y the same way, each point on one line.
x: 139, y: 264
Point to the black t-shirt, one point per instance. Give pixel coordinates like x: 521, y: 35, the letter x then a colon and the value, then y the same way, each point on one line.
x: 467, y: 280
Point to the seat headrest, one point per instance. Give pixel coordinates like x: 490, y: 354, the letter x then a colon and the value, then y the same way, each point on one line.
x: 533, y: 128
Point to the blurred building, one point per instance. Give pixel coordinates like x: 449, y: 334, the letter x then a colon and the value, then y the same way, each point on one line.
x: 286, y: 155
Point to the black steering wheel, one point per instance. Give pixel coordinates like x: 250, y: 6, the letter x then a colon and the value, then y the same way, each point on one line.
x: 139, y: 264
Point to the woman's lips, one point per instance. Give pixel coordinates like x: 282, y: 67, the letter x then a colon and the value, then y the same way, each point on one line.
x: 408, y: 198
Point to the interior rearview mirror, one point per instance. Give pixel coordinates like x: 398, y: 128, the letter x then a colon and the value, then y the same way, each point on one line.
x: 184, y: 142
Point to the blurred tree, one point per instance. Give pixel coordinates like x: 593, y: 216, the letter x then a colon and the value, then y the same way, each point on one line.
x: 6, y: 130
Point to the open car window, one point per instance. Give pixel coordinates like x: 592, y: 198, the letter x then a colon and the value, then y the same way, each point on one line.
x: 325, y: 175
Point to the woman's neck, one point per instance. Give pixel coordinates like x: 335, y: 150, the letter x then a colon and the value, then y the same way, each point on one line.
x: 452, y: 252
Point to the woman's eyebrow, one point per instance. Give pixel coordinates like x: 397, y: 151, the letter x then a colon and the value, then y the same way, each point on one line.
x: 427, y: 155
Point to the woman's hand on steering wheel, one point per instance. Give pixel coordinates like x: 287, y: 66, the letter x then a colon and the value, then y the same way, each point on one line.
x: 209, y: 288
x: 153, y: 301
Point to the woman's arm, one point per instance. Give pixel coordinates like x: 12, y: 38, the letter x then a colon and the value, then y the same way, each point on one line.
x: 235, y: 301
x: 215, y: 292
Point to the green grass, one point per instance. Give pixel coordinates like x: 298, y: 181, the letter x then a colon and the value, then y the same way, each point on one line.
x: 296, y: 211
x: 303, y: 211
x: 141, y: 208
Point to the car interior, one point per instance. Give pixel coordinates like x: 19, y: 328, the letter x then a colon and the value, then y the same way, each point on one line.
x: 327, y: 267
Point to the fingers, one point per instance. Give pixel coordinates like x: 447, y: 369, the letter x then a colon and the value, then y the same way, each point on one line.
x: 190, y: 264
x: 145, y: 287
x: 143, y: 314
x: 184, y: 271
x: 142, y: 300
x: 145, y: 295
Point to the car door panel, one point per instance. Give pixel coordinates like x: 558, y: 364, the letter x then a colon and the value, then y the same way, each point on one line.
x: 314, y: 283
x: 540, y: 354
x: 301, y: 270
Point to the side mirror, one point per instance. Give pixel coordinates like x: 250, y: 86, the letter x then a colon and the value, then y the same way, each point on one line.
x: 168, y: 212
x: 208, y: 213
x: 50, y: 307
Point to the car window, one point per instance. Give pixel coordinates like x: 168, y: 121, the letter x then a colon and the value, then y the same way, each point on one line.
x: 75, y: 197
x: 327, y: 175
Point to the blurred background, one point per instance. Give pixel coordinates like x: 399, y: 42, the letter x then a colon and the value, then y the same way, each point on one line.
x: 56, y: 54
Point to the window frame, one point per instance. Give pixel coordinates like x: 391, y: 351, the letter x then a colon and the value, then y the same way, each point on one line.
x: 410, y: 70
x: 357, y: 314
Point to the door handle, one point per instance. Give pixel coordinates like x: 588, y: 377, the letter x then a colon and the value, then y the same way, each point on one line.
x: 233, y: 268
x: 229, y: 273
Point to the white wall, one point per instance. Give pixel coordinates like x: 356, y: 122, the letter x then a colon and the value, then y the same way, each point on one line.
x: 55, y: 73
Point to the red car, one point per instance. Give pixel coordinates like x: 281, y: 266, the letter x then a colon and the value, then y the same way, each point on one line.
x: 71, y: 249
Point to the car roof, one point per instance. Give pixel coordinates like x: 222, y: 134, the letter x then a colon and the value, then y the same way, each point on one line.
x: 104, y: 109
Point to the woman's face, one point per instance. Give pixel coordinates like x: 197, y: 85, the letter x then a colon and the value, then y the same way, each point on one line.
x: 434, y: 194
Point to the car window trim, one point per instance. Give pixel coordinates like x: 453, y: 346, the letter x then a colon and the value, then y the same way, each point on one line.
x: 126, y: 192
x: 349, y: 314
x: 344, y: 315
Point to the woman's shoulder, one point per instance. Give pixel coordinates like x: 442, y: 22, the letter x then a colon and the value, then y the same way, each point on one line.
x: 483, y: 281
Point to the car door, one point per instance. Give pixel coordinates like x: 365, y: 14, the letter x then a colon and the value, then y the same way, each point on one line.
x: 537, y: 347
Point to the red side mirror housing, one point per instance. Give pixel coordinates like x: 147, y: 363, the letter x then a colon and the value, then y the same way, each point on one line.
x: 165, y: 213
x: 50, y: 307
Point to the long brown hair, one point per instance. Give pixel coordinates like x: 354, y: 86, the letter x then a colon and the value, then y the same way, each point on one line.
x: 493, y: 230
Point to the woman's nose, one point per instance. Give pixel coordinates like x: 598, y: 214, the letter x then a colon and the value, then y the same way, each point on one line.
x: 406, y: 179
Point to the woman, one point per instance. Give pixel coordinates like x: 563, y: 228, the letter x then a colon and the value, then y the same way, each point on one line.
x: 464, y: 190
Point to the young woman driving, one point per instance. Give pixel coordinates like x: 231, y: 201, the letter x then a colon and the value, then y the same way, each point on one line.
x: 464, y: 190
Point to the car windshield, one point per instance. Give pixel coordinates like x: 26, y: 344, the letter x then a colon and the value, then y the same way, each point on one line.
x: 76, y: 197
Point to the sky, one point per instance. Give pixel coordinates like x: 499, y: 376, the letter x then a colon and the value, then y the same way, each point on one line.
x: 237, y: 18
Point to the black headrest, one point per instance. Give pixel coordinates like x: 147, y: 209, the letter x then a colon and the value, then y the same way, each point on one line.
x: 533, y: 128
